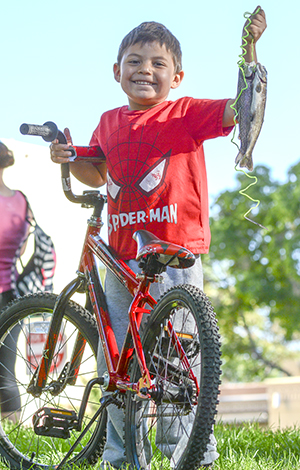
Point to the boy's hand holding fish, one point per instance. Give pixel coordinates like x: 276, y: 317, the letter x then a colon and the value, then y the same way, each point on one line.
x: 255, y: 29
x: 255, y: 24
x: 252, y: 89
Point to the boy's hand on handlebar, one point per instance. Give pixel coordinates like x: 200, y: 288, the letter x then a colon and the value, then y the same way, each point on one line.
x: 60, y: 153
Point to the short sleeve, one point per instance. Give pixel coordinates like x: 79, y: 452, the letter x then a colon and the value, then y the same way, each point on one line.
x: 203, y: 119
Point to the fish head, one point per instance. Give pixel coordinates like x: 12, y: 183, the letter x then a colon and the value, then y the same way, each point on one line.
x: 261, y: 72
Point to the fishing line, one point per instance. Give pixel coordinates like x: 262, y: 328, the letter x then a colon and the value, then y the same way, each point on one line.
x: 240, y: 64
x: 243, y: 192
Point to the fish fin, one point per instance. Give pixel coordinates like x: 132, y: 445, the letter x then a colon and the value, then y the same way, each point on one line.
x: 239, y: 157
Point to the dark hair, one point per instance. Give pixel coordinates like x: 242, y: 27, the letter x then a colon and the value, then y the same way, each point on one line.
x: 3, y: 148
x: 148, y: 32
x: 6, y: 156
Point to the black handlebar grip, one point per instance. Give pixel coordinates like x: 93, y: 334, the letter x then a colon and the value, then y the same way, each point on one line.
x: 48, y: 131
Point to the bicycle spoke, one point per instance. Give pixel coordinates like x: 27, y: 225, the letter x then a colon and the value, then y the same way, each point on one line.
x: 31, y: 315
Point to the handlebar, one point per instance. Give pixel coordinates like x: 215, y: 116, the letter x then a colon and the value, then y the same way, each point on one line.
x: 49, y: 132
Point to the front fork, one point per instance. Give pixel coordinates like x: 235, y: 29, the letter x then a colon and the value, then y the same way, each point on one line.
x: 70, y: 371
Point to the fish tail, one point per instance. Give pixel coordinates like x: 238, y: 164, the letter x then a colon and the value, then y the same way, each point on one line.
x: 239, y: 157
x: 247, y: 162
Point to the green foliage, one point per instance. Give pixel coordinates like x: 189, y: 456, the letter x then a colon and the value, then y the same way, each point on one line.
x: 254, y: 274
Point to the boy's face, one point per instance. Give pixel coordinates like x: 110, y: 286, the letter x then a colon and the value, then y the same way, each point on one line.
x: 147, y: 74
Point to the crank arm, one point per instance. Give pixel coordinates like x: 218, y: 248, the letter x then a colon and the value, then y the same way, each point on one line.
x: 105, y: 401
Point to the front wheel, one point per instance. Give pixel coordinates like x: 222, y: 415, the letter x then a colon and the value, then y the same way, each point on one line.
x: 24, y: 325
x: 173, y: 427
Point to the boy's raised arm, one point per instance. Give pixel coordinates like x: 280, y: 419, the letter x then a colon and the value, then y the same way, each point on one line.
x: 256, y: 28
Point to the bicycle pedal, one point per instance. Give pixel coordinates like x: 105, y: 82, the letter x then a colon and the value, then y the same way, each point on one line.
x: 54, y: 422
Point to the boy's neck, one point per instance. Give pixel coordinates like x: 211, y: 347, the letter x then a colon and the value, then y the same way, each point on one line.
x: 144, y: 107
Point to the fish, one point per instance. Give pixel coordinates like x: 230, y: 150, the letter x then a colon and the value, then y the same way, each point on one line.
x: 250, y: 106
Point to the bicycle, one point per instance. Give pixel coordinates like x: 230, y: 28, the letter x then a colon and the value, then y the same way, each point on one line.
x: 169, y: 376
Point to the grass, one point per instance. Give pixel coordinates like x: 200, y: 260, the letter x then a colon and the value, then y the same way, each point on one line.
x: 251, y: 447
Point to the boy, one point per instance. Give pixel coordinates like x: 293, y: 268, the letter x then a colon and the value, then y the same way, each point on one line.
x: 155, y: 172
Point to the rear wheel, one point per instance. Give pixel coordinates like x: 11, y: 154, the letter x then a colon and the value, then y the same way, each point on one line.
x: 23, y: 328
x: 173, y: 428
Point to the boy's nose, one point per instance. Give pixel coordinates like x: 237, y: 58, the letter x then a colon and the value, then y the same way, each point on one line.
x: 145, y: 68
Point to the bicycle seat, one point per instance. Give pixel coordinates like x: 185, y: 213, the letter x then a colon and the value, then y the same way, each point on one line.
x: 166, y: 253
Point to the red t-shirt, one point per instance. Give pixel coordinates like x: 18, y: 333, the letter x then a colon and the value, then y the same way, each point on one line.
x: 156, y: 171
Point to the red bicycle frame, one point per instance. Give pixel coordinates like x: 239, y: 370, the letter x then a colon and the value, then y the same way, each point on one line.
x: 117, y: 362
x: 88, y: 278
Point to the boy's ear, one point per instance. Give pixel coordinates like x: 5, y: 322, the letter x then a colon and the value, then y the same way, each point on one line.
x: 117, y: 73
x: 177, y: 79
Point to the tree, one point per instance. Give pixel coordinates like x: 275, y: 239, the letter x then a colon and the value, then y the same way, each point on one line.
x: 254, y: 274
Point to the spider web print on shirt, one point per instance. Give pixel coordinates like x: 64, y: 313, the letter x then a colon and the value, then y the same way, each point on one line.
x: 157, y: 175
x: 137, y: 173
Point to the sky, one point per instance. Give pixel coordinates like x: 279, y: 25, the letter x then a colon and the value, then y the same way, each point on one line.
x: 56, y: 65
x: 57, y: 60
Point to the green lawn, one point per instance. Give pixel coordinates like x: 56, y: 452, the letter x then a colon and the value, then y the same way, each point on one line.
x: 251, y: 447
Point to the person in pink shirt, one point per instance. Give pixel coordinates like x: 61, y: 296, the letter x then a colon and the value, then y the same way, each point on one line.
x: 13, y: 229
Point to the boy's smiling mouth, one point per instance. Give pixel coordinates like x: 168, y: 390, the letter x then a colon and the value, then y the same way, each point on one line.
x: 143, y: 82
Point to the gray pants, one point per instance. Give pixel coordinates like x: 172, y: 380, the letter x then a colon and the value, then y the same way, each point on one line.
x: 118, y: 302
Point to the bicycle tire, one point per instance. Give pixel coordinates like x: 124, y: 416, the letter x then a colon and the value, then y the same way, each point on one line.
x: 20, y: 446
x: 164, y: 433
